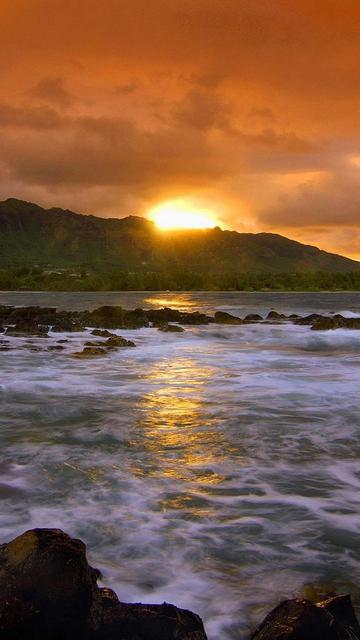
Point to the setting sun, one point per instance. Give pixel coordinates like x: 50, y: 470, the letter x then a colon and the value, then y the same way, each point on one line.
x: 179, y: 214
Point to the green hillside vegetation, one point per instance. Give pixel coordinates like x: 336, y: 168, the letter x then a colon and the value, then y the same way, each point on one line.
x: 62, y: 250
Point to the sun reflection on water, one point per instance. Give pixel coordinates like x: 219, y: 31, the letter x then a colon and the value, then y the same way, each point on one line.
x: 179, y: 429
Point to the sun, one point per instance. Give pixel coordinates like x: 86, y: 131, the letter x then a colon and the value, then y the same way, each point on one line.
x: 180, y: 214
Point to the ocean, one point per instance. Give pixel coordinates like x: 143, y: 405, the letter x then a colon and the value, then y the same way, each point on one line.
x: 217, y: 469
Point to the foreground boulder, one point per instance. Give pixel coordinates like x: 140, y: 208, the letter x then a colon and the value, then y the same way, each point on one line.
x: 332, y: 619
x: 49, y: 591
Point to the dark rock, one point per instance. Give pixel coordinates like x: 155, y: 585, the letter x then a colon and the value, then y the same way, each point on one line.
x: 118, y: 341
x: 102, y: 333
x: 310, y: 319
x: 62, y: 341
x: 55, y: 347
x: 274, y: 315
x: 49, y: 592
x: 89, y: 352
x: 66, y: 325
x: 325, y: 323
x: 170, y: 328
x: 166, y: 315
x: 115, y: 318
x: 332, y: 619
x: 253, y: 317
x: 221, y: 317
x: 2, y: 329
x: 26, y: 328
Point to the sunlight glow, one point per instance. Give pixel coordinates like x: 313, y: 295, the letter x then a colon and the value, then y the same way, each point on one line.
x: 182, y: 214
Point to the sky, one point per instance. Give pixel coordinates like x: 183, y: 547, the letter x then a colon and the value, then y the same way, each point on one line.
x: 249, y: 108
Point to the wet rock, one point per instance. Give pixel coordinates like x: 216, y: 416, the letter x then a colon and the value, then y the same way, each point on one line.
x: 102, y: 333
x: 48, y: 591
x: 2, y: 329
x: 118, y: 341
x: 222, y: 317
x: 166, y: 315
x: 66, y: 325
x: 336, y: 322
x: 332, y: 619
x: 55, y: 347
x: 107, y: 317
x: 310, y: 319
x: 62, y: 341
x: 89, y: 352
x: 170, y: 328
x: 253, y: 317
x: 26, y: 328
x: 274, y: 315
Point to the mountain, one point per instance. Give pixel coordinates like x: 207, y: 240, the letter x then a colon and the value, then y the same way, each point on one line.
x: 31, y: 235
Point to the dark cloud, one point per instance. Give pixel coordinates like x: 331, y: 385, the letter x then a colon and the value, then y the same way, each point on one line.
x: 52, y: 90
x: 31, y: 117
x: 331, y: 200
x: 203, y: 110
x: 126, y: 89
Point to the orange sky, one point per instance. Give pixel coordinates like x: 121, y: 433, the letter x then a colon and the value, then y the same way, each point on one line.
x: 249, y: 107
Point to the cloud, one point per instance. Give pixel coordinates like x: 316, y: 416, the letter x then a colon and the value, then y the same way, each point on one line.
x: 203, y: 110
x: 38, y: 118
x: 52, y: 90
x: 332, y: 200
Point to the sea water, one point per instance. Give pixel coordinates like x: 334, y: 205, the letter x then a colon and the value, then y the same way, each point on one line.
x: 217, y: 469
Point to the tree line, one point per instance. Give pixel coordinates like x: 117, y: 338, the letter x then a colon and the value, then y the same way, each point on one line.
x: 85, y: 279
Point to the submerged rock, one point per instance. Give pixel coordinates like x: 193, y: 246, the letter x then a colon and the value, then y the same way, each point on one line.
x: 102, y: 333
x: 48, y: 591
x: 332, y: 619
x: 28, y: 328
x: 90, y: 352
x: 170, y: 328
x: 222, y: 317
x: 118, y: 341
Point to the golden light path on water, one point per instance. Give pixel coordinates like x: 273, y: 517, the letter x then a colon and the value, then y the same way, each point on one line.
x: 181, y: 436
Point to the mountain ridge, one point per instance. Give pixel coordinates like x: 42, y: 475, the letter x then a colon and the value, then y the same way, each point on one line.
x: 30, y: 234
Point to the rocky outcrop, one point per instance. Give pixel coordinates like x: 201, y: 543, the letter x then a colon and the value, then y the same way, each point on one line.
x: 48, y: 591
x: 332, y: 619
x: 222, y: 317
x: 36, y: 321
x: 335, y: 322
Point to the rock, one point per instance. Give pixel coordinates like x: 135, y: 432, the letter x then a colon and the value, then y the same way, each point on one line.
x: 166, y: 315
x: 221, y: 317
x: 102, y: 333
x: 67, y: 325
x: 310, y: 319
x: 26, y: 328
x: 335, y: 322
x: 332, y: 619
x: 55, y: 347
x: 253, y: 317
x: 2, y: 329
x: 115, y: 318
x: 89, y: 352
x: 49, y: 592
x: 274, y: 315
x: 170, y: 328
x: 118, y: 341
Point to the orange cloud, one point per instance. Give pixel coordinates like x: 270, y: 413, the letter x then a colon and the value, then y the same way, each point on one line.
x: 114, y: 106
